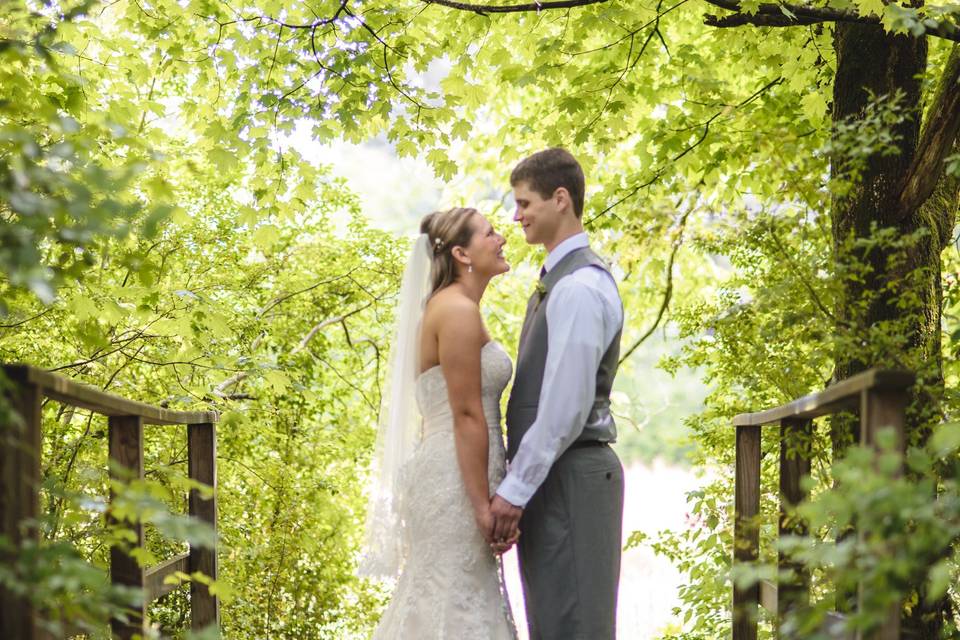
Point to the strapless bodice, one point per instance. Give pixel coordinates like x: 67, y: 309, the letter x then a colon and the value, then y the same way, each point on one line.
x: 495, y: 371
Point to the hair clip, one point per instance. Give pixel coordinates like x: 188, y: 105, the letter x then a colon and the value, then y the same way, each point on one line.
x: 437, y: 245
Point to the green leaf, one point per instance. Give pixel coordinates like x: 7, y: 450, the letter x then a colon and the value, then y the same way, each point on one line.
x: 814, y: 106
x: 939, y: 579
x: 277, y: 380
x: 870, y: 7
x: 945, y: 440
x: 266, y: 236
x: 224, y: 160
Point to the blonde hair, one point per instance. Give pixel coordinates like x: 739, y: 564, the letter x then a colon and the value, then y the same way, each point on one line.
x: 446, y: 230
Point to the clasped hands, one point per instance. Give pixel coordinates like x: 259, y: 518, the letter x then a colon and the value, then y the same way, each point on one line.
x: 499, y: 524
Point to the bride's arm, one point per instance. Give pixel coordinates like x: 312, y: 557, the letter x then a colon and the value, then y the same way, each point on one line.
x: 461, y: 339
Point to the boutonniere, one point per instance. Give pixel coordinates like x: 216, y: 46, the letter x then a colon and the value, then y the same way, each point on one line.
x: 541, y: 291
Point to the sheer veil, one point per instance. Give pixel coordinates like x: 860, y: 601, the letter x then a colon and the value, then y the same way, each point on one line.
x: 399, y: 428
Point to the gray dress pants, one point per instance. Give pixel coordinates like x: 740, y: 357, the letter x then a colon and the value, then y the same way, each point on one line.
x: 569, y: 547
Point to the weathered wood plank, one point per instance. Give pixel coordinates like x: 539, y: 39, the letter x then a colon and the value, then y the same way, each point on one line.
x: 795, y: 438
x: 881, y: 410
x: 843, y: 395
x: 19, y: 490
x: 126, y: 451
x: 746, y: 537
x: 85, y: 396
x: 834, y: 627
x: 202, y: 454
x: 890, y: 629
x: 153, y: 577
x: 769, y: 596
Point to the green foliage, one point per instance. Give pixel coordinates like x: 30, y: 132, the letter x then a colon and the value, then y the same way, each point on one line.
x: 702, y: 552
x: 907, y: 535
x: 67, y: 177
x: 953, y: 165
x: 753, y: 351
x: 160, y: 238
x: 862, y: 140
x: 770, y: 333
x: 67, y: 590
x: 281, y: 328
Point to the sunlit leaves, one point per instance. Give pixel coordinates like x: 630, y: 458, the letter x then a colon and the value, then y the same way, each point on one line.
x: 218, y: 328
x: 870, y: 7
x: 137, y: 116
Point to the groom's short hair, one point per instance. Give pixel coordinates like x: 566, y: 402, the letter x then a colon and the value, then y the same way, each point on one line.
x: 548, y: 170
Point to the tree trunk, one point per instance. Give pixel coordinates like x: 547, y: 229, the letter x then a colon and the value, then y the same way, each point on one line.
x: 871, y: 63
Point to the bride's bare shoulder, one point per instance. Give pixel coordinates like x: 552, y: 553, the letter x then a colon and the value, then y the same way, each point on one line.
x: 451, y: 306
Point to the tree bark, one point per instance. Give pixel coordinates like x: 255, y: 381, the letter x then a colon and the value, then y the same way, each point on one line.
x: 903, y: 293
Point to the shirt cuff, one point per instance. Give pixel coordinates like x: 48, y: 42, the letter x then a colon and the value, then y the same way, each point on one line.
x: 515, y: 491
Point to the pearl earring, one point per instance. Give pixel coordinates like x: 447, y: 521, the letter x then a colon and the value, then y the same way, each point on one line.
x: 469, y: 268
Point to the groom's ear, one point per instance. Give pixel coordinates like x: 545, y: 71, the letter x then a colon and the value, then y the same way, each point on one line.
x: 562, y: 196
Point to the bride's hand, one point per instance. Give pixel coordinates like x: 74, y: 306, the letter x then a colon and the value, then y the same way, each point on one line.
x: 485, y: 522
x: 501, y: 547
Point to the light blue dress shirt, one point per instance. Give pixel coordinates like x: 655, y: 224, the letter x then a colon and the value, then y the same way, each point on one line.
x: 584, y: 314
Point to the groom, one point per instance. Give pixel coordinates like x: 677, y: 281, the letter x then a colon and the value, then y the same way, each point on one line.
x: 565, y: 484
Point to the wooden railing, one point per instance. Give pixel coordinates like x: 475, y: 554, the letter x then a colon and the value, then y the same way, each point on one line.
x: 880, y: 398
x: 19, y: 490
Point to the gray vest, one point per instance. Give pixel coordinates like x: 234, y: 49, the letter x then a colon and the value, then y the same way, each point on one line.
x: 532, y: 359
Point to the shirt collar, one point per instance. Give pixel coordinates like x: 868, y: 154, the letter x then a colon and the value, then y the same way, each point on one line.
x: 566, y: 247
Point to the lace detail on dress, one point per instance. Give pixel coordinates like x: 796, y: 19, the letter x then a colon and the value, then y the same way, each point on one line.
x: 451, y: 584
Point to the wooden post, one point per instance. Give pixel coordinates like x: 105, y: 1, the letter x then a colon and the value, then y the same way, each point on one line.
x: 794, y: 465
x: 126, y: 450
x: 19, y: 488
x: 746, y: 537
x: 883, y: 408
x: 202, y: 454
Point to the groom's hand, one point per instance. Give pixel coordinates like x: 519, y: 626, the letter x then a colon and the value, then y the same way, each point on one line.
x: 506, y: 518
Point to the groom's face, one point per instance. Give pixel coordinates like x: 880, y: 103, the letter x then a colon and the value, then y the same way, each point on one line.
x: 539, y: 217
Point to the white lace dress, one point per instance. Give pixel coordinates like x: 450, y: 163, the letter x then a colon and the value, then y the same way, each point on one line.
x: 451, y: 585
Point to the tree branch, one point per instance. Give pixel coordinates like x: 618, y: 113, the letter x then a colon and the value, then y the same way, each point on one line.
x: 759, y: 20
x: 792, y: 15
x: 821, y: 14
x: 283, y: 298
x: 484, y: 9
x: 668, y: 289
x: 30, y: 319
x: 326, y: 323
x: 940, y: 133
x: 220, y: 389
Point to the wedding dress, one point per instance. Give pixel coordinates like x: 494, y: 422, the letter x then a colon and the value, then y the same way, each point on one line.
x: 450, y: 585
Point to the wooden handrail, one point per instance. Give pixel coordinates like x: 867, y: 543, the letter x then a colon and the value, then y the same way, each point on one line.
x: 880, y: 398
x: 85, y: 396
x: 20, y: 451
x: 154, y: 577
x: 837, y: 397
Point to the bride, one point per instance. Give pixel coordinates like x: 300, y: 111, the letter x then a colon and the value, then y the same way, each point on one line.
x: 440, y: 452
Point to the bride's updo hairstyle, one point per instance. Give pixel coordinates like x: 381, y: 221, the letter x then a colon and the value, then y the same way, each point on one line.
x: 446, y: 230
